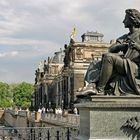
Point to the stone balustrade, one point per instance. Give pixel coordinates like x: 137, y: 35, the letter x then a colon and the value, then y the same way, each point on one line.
x: 55, y: 119
x: 20, y: 118
x: 16, y: 118
x: 17, y: 112
x: 70, y: 119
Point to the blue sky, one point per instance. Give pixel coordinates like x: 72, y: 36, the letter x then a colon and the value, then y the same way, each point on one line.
x: 32, y: 30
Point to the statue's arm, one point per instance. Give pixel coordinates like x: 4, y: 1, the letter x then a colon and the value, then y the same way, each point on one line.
x: 120, y: 45
x: 114, y: 48
x: 117, y: 47
x: 136, y: 46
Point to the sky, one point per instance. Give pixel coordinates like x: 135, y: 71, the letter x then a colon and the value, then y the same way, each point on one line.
x: 32, y: 30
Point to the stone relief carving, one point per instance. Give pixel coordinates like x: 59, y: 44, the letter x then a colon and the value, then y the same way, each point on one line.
x: 79, y: 53
x: 131, y: 128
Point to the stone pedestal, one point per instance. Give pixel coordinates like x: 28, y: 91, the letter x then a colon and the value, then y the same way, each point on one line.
x: 110, y: 118
x: 37, y: 116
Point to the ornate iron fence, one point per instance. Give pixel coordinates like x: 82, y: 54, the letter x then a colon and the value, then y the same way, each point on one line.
x: 38, y: 133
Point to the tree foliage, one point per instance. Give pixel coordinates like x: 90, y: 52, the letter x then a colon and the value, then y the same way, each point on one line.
x: 15, y: 94
x: 5, y: 95
x: 22, y: 95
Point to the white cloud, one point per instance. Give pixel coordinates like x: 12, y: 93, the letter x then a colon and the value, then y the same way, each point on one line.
x: 9, y: 54
x: 14, y: 41
x: 27, y: 48
x: 14, y: 53
x: 2, y: 54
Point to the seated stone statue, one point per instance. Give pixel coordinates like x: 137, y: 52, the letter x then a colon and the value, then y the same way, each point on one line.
x: 118, y: 72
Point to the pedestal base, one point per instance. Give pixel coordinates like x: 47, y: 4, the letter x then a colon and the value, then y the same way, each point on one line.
x: 110, y: 118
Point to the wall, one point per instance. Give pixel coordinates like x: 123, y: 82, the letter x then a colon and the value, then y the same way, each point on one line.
x: 15, y: 118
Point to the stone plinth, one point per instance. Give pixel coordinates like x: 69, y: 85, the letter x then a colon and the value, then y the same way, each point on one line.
x: 37, y: 116
x: 110, y: 117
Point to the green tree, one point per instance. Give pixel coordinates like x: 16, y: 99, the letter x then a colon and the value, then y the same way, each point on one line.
x: 6, y: 95
x: 22, y: 95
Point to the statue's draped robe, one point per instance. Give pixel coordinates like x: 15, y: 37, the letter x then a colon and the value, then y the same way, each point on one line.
x: 130, y: 82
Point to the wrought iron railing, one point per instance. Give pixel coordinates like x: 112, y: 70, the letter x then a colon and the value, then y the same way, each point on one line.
x: 38, y: 133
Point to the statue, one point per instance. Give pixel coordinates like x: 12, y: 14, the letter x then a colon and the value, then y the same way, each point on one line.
x: 118, y: 72
x: 72, y: 36
x: 41, y: 68
x: 37, y: 76
x: 68, y: 49
x: 45, y: 66
x: 67, y: 58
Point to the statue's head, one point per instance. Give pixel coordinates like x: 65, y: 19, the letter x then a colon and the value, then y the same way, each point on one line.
x: 132, y: 18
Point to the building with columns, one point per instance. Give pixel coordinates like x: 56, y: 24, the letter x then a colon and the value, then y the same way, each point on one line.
x: 63, y: 75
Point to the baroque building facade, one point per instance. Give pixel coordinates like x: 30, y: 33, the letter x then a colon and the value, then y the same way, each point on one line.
x: 59, y: 78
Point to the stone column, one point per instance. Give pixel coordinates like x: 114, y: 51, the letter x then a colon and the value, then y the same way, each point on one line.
x: 40, y: 95
x: 43, y: 93
x: 66, y: 92
x: 72, y: 92
x: 61, y: 92
x: 69, y: 91
x: 57, y: 94
x: 46, y: 95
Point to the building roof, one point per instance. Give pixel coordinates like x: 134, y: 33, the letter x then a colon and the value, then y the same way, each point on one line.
x: 95, y: 34
x: 58, y: 57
